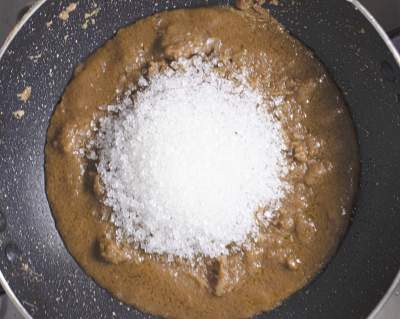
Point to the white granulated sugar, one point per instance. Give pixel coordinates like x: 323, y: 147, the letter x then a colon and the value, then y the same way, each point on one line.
x: 187, y: 163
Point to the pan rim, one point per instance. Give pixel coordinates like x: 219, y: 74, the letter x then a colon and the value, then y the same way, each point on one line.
x: 35, y: 6
x: 371, y: 19
x: 357, y: 6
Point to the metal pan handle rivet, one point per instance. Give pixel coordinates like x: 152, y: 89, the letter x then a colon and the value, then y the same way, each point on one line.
x: 12, y: 252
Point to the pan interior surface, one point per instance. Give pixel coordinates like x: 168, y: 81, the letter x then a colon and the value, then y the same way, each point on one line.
x: 46, y: 279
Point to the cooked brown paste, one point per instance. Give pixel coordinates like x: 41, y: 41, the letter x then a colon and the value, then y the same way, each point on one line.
x: 322, y: 157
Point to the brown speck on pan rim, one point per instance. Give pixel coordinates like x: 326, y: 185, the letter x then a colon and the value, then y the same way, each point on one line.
x: 54, y: 286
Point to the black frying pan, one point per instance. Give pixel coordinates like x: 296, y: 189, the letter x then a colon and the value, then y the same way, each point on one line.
x: 37, y: 269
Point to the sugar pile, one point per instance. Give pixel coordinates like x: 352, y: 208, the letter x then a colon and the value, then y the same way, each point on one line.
x: 188, y: 161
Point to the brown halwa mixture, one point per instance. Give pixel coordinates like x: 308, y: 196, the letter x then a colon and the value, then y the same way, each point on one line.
x: 322, y: 157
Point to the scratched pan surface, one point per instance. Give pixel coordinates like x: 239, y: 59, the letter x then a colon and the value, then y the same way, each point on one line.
x: 34, y: 263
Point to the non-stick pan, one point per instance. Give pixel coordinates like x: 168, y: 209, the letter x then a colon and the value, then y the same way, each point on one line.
x: 36, y: 269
